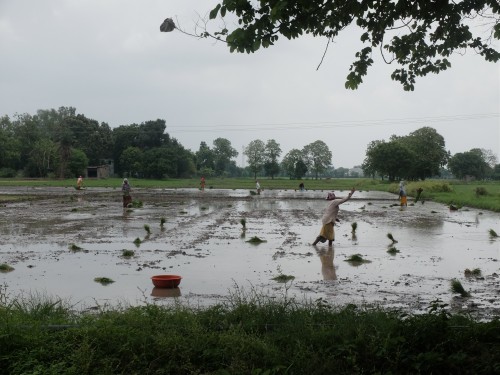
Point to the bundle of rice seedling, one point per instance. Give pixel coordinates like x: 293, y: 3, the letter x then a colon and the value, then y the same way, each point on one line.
x: 456, y: 287
x: 389, y: 236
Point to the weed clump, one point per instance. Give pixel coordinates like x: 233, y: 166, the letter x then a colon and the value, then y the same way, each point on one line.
x: 492, y: 233
x: 162, y: 222
x: 137, y: 242
x: 354, y: 226
x: 147, y: 228
x: 456, y: 287
x: 243, y: 223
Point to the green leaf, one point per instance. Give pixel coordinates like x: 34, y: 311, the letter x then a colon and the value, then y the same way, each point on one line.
x: 213, y: 12
x: 496, y: 33
x: 256, y: 45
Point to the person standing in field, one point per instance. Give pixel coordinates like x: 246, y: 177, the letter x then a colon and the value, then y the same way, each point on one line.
x: 329, y: 217
x: 202, y: 183
x: 402, y: 194
x: 127, y: 198
x: 79, y: 183
x: 257, y: 186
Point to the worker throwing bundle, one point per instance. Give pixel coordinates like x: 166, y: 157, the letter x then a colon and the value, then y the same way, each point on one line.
x: 329, y: 218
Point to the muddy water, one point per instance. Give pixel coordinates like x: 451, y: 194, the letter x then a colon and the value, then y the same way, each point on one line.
x: 202, y: 240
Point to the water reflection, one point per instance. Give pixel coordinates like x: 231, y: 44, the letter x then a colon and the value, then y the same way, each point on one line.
x: 166, y: 292
x: 327, y: 266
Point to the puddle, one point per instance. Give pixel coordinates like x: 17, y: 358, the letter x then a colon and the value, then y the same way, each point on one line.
x: 202, y: 240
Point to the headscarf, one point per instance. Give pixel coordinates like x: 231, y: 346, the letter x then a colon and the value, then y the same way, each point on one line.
x: 330, y: 196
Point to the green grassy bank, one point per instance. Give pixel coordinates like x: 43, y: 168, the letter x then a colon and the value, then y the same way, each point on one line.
x: 482, y: 194
x: 248, y: 334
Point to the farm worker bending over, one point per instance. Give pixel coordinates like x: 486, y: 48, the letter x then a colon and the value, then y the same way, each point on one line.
x: 329, y: 218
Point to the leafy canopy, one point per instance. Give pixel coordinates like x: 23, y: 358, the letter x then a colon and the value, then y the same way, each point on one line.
x: 418, y: 36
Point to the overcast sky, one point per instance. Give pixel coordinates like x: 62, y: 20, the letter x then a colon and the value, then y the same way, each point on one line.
x: 109, y: 60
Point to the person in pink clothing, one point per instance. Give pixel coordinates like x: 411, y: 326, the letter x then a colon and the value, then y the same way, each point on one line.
x: 329, y: 218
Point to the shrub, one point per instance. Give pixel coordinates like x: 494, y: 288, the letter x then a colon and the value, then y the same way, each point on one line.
x: 480, y: 191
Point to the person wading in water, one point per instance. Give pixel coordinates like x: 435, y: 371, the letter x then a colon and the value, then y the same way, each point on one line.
x: 329, y: 218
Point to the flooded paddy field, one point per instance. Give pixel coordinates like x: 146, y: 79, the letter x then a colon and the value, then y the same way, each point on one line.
x: 202, y: 240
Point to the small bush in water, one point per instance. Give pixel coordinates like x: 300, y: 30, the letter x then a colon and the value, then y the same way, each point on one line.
x: 137, y: 242
x: 493, y: 234
x: 243, y: 223
x: 162, y: 222
x: 147, y: 228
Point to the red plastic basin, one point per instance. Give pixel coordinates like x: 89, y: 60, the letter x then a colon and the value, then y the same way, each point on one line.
x: 166, y: 281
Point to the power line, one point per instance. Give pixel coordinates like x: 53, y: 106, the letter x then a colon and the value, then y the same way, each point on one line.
x: 187, y: 128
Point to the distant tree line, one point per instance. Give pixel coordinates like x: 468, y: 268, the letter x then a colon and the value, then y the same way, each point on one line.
x: 62, y: 144
x: 422, y: 154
